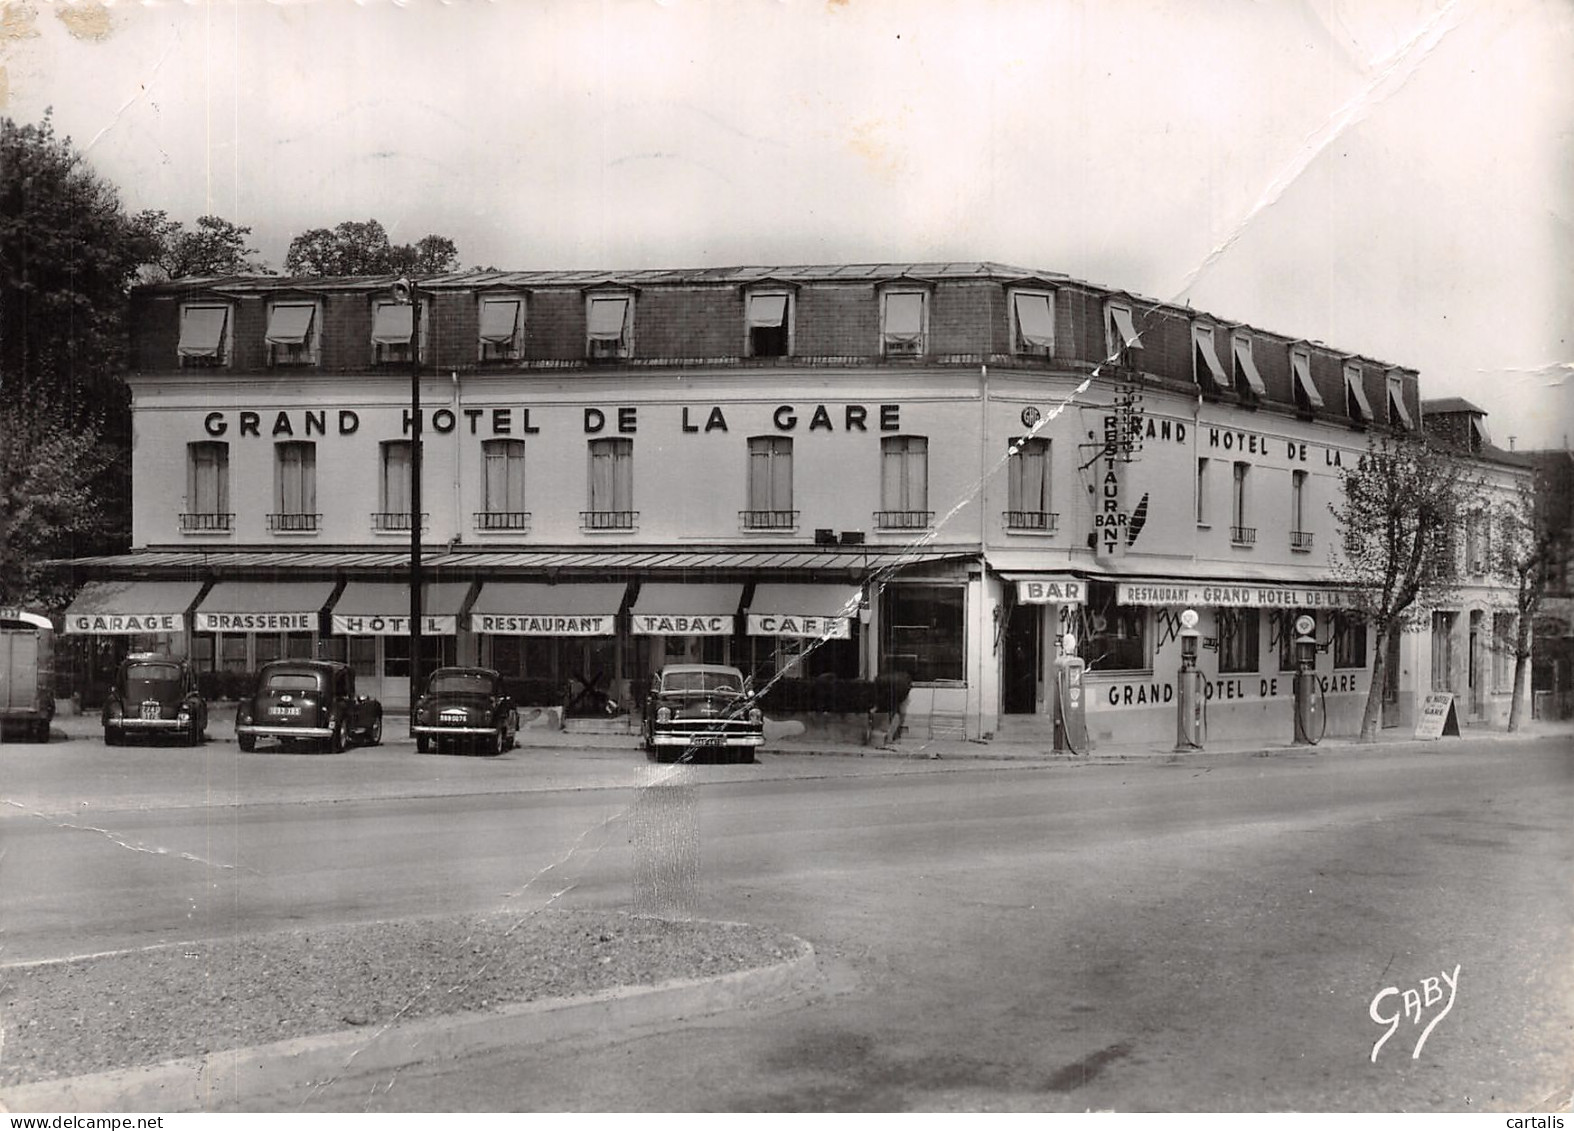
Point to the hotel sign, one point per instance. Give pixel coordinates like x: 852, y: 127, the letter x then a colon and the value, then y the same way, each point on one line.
x: 543, y: 624
x: 356, y: 624
x: 1233, y: 596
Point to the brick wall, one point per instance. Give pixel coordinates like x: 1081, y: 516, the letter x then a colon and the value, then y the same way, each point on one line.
x: 689, y: 322
x: 838, y: 321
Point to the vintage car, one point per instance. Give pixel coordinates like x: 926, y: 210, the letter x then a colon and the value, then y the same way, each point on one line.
x: 701, y: 709
x: 308, y: 701
x: 465, y: 707
x: 154, y: 695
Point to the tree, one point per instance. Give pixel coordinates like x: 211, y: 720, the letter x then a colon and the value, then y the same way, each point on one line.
x: 1520, y: 556
x: 215, y: 247
x: 1401, y: 507
x: 354, y: 248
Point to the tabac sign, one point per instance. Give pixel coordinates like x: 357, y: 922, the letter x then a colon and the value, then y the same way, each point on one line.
x: 674, y: 624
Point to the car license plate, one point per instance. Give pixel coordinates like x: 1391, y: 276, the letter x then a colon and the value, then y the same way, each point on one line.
x: 150, y: 710
x: 287, y: 711
x: 453, y: 716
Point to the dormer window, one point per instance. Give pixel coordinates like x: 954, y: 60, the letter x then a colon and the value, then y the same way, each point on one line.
x: 1247, y: 379
x: 292, y: 332
x: 204, y: 335
x: 1307, y: 398
x: 609, y: 327
x: 1032, y: 323
x: 1398, y: 414
x: 904, y: 323
x: 768, y: 321
x: 1355, y: 402
x: 1206, y: 370
x: 391, y: 324
x: 502, y: 324
x: 1476, y: 438
x: 1120, y: 335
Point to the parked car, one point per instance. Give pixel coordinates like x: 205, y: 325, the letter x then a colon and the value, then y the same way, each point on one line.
x: 308, y: 701
x: 153, y: 694
x: 27, y: 673
x: 465, y: 707
x: 701, y: 708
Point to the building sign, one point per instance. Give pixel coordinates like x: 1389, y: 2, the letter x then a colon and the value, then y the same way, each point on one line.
x: 663, y: 624
x: 1116, y: 443
x: 1232, y: 596
x: 356, y: 624
x: 1052, y: 590
x: 1437, y: 716
x: 815, y: 628
x: 125, y: 624
x: 256, y: 622
x: 543, y: 624
x: 1228, y: 688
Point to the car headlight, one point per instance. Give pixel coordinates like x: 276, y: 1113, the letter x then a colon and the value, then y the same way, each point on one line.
x: 756, y: 715
x: 664, y: 715
x: 185, y: 714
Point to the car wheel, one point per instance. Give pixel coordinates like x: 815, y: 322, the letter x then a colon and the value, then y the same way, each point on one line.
x: 374, y: 733
x: 111, y: 737
x: 423, y: 744
x: 337, y: 741
x: 41, y: 731
x: 247, y: 742
x: 499, y: 742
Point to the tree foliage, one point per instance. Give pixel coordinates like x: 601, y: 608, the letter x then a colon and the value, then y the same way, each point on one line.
x: 1399, y: 515
x: 1519, y: 557
x: 214, y: 247
x: 355, y: 248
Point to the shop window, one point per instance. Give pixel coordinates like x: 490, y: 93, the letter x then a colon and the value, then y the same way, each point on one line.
x: 904, y: 323
x: 1248, y: 381
x: 770, y: 485
x: 203, y: 650
x: 1121, y: 341
x: 502, y: 327
x: 611, y: 485
x: 1443, y: 650
x: 232, y: 653
x: 1503, y: 625
x: 298, y: 646
x: 1241, y: 534
x: 904, y: 484
x: 1032, y: 323
x: 1027, y: 486
x: 1398, y: 414
x: 1357, y: 407
x: 1238, y: 639
x: 1202, y: 491
x: 1349, y: 631
x: 923, y: 632
x: 295, y: 487
x: 503, y: 486
x: 394, y: 486
x: 1206, y: 372
x: 207, y: 487
x: 1114, y: 637
x: 769, y: 324
x: 391, y: 325
x: 204, y: 335
x: 436, y: 652
x: 1283, y: 630
x: 608, y: 329
x: 269, y: 647
x: 292, y: 333
x: 1307, y: 398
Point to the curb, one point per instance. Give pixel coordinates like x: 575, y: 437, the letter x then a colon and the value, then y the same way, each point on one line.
x: 201, y: 1083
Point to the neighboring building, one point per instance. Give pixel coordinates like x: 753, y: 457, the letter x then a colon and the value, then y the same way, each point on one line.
x: 1554, y: 644
x: 934, y: 468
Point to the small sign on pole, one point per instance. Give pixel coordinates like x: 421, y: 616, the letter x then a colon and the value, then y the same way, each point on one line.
x: 1438, y: 716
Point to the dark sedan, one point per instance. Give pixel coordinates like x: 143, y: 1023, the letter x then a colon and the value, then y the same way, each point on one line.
x: 311, y: 702
x: 154, y: 695
x: 701, y: 709
x: 465, y: 707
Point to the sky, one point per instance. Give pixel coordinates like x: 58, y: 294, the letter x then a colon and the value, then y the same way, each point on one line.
x: 1393, y: 178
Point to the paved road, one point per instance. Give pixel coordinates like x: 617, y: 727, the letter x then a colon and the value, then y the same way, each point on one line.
x: 1207, y: 934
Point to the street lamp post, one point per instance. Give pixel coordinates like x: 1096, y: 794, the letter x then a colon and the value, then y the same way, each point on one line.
x: 405, y: 291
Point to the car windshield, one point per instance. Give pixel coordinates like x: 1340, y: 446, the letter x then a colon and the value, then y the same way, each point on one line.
x: 152, y: 681
x: 724, y: 682
x: 292, y: 681
x: 461, y: 683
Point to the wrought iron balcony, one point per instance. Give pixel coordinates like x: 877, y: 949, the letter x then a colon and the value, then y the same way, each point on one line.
x: 289, y: 522
x: 903, y: 520
x: 607, y: 520
x: 396, y: 520
x: 1243, y: 535
x: 1301, y: 540
x: 768, y: 520
x: 207, y: 521
x: 502, y: 520
x: 1047, y: 521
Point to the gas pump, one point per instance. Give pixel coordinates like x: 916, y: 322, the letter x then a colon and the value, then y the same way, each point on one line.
x: 1071, y: 720
x: 1310, y: 718
x: 1189, y: 717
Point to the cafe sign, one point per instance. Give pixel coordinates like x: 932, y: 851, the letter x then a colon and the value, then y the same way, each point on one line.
x: 1232, y: 596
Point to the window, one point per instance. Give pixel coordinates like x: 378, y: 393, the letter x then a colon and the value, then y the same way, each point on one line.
x: 1398, y: 414
x: 207, y: 487
x: 769, y: 324
x: 770, y: 485
x: 1120, y: 335
x: 292, y: 333
x: 922, y: 632
x: 904, y: 484
x: 1238, y: 634
x: 502, y: 326
x: 204, y: 335
x: 503, y: 486
x: 1027, y: 486
x: 1247, y: 379
x: 1356, y: 405
x: 1443, y: 650
x: 1349, y: 640
x: 1240, y: 533
x: 1283, y: 621
x: 1300, y: 537
x: 295, y: 487
x: 1114, y: 637
x: 391, y: 326
x: 611, y: 485
x: 1475, y: 559
x: 395, y: 495
x: 1206, y: 371
x: 904, y: 318
x: 1033, y: 323
x: 1503, y: 625
x: 1307, y: 398
x: 609, y: 334
x: 1202, y: 491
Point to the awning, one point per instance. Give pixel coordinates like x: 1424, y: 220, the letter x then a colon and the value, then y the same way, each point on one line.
x: 1397, y: 412
x: 767, y: 310
x: 1035, y: 320
x: 1301, y: 365
x: 535, y: 608
x: 1248, y: 366
x: 263, y: 606
x: 289, y: 323
x: 392, y: 322
x: 1354, y: 387
x: 666, y: 608
x: 1202, y: 339
x: 1125, y: 329
x: 382, y: 608
x: 1048, y: 588
x: 820, y: 612
x: 904, y: 316
x: 499, y: 319
x: 123, y: 608
x: 202, y: 331
x: 607, y: 318
x: 1246, y: 595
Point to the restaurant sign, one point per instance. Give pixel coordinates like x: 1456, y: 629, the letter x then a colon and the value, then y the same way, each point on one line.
x: 544, y: 624
x: 1233, y: 596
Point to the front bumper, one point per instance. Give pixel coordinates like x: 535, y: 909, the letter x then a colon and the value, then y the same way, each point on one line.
x: 129, y: 722
x: 437, y: 730
x: 262, y: 730
x: 705, y: 739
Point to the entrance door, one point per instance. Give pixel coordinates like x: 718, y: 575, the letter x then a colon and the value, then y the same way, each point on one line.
x: 1020, y: 649
x: 1478, y: 704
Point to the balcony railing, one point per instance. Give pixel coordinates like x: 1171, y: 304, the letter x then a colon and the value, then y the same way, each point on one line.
x: 1301, y: 540
x: 396, y: 520
x: 207, y: 521
x: 502, y: 520
x: 1047, y: 521
x: 607, y: 520
x: 294, y: 523
x: 768, y: 520
x: 1243, y: 535
x: 903, y: 520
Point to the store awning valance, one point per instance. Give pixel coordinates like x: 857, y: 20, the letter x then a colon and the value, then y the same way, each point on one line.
x: 499, y: 319
x: 665, y: 608
x: 816, y: 611
x: 767, y: 310
x: 382, y: 608
x: 289, y: 323
x: 534, y: 608
x: 124, y: 608
x: 202, y: 331
x: 391, y: 323
x: 263, y: 606
x: 1246, y: 595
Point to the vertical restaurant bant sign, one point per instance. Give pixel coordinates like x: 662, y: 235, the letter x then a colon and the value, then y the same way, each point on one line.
x: 379, y: 624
